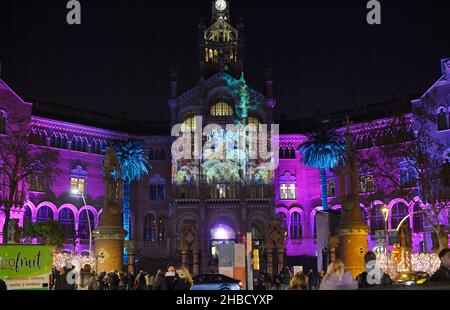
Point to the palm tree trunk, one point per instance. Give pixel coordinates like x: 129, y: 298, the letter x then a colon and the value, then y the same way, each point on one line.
x: 323, y: 183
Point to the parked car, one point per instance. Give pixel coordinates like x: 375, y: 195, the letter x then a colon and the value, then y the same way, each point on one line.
x: 215, y: 282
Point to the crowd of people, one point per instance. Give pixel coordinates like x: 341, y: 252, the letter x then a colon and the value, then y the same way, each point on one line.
x: 171, y: 279
x: 336, y: 278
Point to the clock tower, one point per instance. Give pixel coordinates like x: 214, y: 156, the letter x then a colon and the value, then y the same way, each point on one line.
x: 220, y: 9
x: 221, y: 46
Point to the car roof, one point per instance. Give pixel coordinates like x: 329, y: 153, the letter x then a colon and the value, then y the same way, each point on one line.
x: 216, y: 275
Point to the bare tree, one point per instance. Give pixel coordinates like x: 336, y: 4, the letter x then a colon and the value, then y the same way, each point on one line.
x: 18, y: 161
x: 407, y: 138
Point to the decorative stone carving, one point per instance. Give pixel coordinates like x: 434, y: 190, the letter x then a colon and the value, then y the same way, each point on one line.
x: 14, y: 231
x: 113, y: 182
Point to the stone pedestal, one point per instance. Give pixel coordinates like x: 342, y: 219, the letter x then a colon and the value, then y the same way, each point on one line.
x: 109, y: 242
x: 353, y: 246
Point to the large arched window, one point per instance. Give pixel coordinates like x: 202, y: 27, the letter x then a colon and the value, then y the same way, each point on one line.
x: 257, y: 233
x: 221, y: 109
x: 376, y: 219
x: 162, y: 220
x: 398, y: 212
x: 44, y: 214
x: 149, y: 232
x: 442, y: 122
x: 254, y: 121
x: 189, y: 123
x: 83, y: 224
x: 67, y: 220
x: 296, y: 226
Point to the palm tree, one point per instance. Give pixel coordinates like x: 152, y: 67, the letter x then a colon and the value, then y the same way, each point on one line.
x: 133, y: 165
x: 133, y: 162
x: 323, y: 149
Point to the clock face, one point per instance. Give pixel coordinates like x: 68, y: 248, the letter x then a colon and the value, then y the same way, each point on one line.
x: 221, y: 5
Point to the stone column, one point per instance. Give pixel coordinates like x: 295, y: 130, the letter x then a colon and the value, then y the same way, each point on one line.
x: 352, y: 230
x: 109, y: 236
x: 269, y: 262
x: 131, y: 254
x: 195, y: 268
x: 184, y: 257
x: 280, y: 260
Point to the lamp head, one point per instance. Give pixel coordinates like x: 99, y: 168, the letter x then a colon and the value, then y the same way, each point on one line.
x: 385, y: 211
x: 75, y: 191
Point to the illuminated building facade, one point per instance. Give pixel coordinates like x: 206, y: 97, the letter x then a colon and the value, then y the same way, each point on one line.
x: 183, y: 209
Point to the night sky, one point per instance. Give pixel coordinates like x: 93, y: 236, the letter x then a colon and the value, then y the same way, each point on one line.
x: 323, y: 53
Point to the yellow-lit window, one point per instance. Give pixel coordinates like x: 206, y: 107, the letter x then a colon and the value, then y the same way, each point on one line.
x: 78, y: 185
x: 253, y: 123
x: 189, y: 124
x: 288, y: 192
x: 221, y: 109
x: 283, y: 192
x: 291, y: 193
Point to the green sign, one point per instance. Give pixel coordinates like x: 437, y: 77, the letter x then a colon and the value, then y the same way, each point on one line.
x: 25, y: 266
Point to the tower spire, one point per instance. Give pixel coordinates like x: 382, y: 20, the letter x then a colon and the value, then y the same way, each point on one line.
x: 220, y: 44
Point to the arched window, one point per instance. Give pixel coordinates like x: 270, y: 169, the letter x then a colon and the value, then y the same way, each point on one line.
x: 149, y: 232
x: 221, y: 109
x: 398, y: 212
x: 296, y: 226
x: 442, y: 122
x: 257, y: 233
x: 162, y: 227
x: 97, y: 146
x: 376, y: 219
x: 27, y: 217
x: 367, y: 183
x: 189, y: 124
x: 84, y: 222
x: 254, y: 121
x: 67, y: 220
x: 282, y: 218
x: 418, y: 219
x: 58, y: 141
x: 83, y: 145
x: 44, y: 214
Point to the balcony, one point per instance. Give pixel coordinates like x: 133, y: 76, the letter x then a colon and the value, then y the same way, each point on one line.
x: 258, y: 203
x: 187, y: 203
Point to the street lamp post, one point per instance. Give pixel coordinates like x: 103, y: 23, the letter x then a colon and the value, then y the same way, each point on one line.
x: 385, y: 211
x: 77, y: 192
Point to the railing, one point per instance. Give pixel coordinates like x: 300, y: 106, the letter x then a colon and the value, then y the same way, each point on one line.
x: 188, y: 202
x: 211, y: 202
x: 254, y: 193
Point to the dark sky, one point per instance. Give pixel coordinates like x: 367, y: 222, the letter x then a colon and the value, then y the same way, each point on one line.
x: 323, y: 53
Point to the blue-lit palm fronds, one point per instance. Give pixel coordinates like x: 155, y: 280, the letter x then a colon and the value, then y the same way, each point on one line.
x: 323, y: 149
x: 133, y: 162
